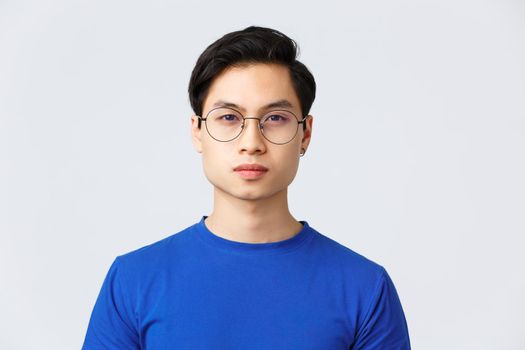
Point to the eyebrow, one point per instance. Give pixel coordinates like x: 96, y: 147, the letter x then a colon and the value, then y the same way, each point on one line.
x: 277, y: 104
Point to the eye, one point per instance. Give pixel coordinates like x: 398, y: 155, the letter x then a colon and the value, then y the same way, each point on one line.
x: 277, y: 118
x: 228, y: 117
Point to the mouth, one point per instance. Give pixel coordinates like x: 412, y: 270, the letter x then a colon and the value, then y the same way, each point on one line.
x: 251, y: 171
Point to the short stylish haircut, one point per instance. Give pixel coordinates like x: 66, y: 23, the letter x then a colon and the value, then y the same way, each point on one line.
x: 250, y: 45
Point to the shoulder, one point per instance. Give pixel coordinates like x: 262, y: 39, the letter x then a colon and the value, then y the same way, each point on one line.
x: 158, y: 253
x: 372, y: 305
x: 354, y: 265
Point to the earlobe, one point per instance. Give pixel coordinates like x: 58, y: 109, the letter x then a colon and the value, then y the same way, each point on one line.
x: 196, y: 134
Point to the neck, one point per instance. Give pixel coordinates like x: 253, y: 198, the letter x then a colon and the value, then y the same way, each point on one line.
x: 252, y: 221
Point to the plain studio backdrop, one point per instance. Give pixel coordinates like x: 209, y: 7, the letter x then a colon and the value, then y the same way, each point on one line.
x: 416, y: 161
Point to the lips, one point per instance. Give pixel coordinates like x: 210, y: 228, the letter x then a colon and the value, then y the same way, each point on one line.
x: 250, y: 167
x: 251, y: 171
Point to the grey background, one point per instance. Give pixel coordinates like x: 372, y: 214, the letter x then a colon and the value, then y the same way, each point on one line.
x: 416, y: 161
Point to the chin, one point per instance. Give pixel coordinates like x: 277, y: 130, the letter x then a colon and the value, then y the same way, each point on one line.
x: 248, y: 194
x: 250, y: 190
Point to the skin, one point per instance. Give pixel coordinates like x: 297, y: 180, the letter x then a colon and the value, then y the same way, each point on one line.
x: 251, y: 210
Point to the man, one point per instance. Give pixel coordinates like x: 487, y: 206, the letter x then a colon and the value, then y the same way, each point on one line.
x: 249, y: 275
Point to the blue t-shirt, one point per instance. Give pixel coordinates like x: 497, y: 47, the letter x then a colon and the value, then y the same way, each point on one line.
x: 195, y: 290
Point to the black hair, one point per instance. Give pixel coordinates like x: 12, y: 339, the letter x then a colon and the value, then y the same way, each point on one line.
x: 250, y: 45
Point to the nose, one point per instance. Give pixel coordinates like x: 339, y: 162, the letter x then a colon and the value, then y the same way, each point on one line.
x: 251, y: 140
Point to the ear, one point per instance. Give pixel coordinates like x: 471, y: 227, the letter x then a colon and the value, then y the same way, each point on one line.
x: 307, y: 135
x: 196, y: 133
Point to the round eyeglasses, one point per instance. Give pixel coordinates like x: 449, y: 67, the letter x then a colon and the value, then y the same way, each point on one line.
x: 277, y: 126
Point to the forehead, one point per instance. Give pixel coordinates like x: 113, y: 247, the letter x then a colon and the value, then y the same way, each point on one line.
x: 252, y: 86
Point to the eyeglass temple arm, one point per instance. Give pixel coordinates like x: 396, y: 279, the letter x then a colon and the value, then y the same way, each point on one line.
x: 199, y: 123
x: 303, y: 122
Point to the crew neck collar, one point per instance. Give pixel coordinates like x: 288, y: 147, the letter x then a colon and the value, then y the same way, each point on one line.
x: 254, y: 248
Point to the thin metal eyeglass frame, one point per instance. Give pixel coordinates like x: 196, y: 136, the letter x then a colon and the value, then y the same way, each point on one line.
x: 302, y: 121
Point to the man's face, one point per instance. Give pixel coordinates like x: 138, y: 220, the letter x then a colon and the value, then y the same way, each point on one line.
x: 251, y: 88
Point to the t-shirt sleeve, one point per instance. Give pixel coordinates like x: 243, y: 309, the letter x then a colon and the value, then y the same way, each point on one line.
x: 384, y: 326
x: 112, y: 322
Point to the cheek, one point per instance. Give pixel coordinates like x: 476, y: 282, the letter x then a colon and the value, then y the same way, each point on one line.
x: 214, y: 161
x: 210, y: 164
x: 290, y: 161
x: 294, y: 166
